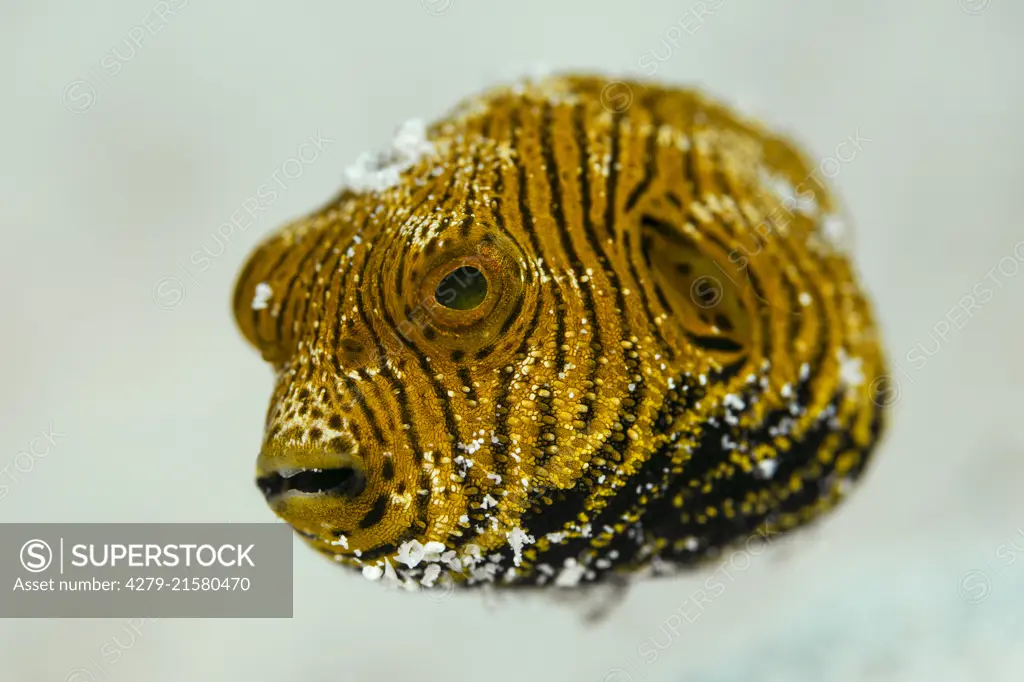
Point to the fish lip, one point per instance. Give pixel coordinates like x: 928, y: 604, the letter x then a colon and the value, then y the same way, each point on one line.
x: 289, y: 461
x: 304, y: 471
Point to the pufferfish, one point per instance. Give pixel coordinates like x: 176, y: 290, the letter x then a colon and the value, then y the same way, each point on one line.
x: 577, y: 331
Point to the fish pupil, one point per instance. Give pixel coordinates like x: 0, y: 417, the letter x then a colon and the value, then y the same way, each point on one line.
x: 463, y: 288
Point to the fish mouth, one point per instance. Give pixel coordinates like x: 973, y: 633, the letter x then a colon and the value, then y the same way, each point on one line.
x: 346, y: 482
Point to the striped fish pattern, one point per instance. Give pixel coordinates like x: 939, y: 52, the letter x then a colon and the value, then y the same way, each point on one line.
x: 575, y: 332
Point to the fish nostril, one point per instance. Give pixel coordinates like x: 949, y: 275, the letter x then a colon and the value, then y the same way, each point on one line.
x: 342, y: 481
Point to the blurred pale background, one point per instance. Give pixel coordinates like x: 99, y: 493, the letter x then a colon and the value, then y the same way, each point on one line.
x: 120, y: 162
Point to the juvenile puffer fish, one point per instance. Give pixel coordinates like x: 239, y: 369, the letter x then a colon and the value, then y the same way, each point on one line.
x: 576, y: 331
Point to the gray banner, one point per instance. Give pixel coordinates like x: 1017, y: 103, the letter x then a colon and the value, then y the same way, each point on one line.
x: 136, y: 570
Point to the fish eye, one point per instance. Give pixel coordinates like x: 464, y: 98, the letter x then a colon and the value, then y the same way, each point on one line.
x: 464, y: 288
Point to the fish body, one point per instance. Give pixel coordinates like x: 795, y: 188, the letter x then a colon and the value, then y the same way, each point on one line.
x: 577, y: 330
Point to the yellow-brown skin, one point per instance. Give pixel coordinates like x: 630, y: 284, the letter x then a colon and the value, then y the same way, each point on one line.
x: 654, y: 311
